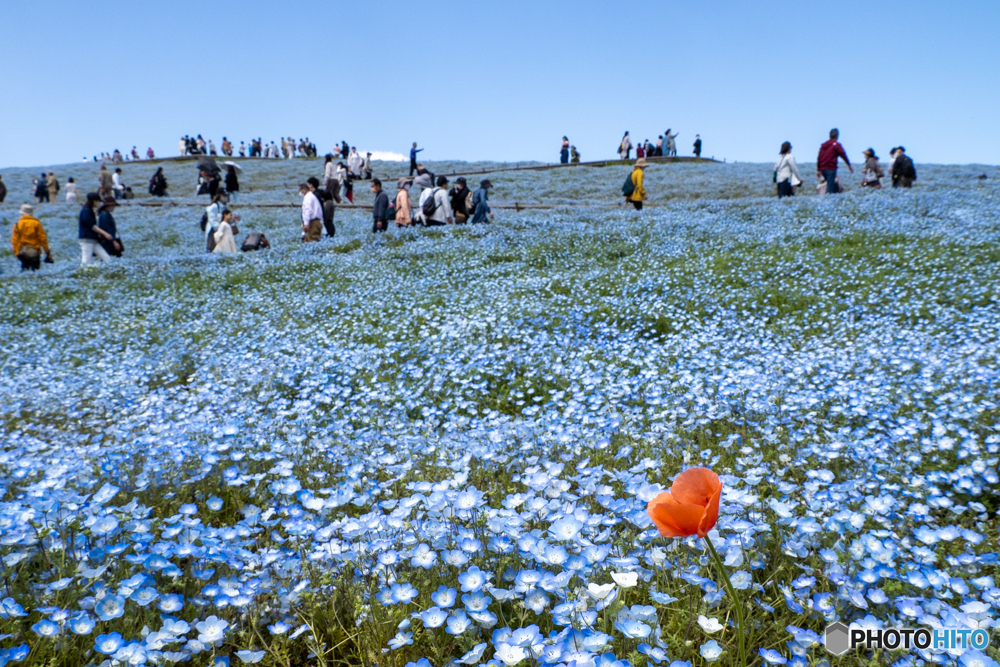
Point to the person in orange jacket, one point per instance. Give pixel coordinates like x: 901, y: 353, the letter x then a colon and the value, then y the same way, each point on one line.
x: 28, y: 240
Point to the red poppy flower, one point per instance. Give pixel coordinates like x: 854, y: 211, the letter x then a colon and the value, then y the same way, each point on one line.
x: 690, y: 506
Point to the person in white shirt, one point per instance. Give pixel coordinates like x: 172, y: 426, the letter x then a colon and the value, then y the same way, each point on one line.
x: 354, y: 163
x: 330, y: 178
x: 224, y: 239
x: 71, y: 191
x: 213, y: 214
x: 312, y: 215
x: 442, y: 214
x: 243, y: 149
x: 116, y: 184
x: 786, y: 172
x: 182, y: 146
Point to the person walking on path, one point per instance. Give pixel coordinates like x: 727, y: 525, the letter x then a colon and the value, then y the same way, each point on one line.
x: 697, y: 146
x: 826, y: 162
x: 366, y: 165
x: 90, y: 234
x: 480, y: 202
x: 413, y: 157
x: 871, y: 174
x: 3, y: 190
x: 640, y: 150
x: 441, y: 213
x: 380, y: 209
x: 786, y: 172
x: 232, y: 182
x: 903, y: 171
x: 658, y: 151
x: 330, y: 178
x: 28, y: 240
x: 564, y: 151
x: 106, y: 221
x: 404, y: 214
x: 461, y: 201
x: 638, y: 194
x: 625, y: 147
x: 71, y: 191
x: 312, y: 215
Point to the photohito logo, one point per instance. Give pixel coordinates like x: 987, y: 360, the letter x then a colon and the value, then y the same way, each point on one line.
x: 840, y: 638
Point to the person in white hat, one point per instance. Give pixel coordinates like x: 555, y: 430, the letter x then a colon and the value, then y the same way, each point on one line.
x: 28, y: 240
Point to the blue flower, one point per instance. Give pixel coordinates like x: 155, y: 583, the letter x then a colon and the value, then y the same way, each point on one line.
x: 110, y: 607
x: 710, y: 650
x: 109, y: 643
x: 444, y: 597
x: 250, y: 657
x: 472, y: 579
x: 772, y: 656
x: 46, y: 628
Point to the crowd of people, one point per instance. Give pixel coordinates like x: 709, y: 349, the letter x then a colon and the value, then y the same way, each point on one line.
x: 787, y: 178
x: 438, y: 204
x: 665, y: 146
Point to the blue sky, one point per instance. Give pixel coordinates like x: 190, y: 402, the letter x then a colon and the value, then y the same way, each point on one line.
x: 502, y: 80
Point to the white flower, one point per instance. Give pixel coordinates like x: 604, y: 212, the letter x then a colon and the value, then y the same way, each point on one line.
x: 625, y: 579
x: 709, y: 625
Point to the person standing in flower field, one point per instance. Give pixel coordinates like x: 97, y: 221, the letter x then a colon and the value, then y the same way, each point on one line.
x: 633, y: 189
x: 903, y: 171
x: 786, y: 172
x: 312, y: 215
x: 380, y: 220
x: 28, y: 240
x: 697, y: 146
x: 826, y: 162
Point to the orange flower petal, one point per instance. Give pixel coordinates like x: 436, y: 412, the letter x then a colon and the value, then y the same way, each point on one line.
x: 673, y: 519
x: 695, y: 486
x: 711, y: 515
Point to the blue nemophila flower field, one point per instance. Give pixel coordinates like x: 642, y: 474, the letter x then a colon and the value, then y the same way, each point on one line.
x: 436, y: 447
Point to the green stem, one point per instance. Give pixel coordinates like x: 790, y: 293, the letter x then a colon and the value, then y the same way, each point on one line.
x: 736, y: 600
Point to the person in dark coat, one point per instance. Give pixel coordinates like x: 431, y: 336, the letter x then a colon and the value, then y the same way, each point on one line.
x: 380, y: 220
x: 697, y: 145
x: 903, y: 172
x: 105, y: 220
x: 232, y: 183
x: 158, y: 184
x: 41, y: 189
x: 459, y: 195
x: 3, y: 190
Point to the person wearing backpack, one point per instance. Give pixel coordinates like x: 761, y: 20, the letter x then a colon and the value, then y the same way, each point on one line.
x: 903, y: 171
x: 435, y: 206
x: 625, y: 147
x: 90, y: 235
x: 633, y: 189
x: 461, y: 201
x: 28, y: 240
x: 106, y: 221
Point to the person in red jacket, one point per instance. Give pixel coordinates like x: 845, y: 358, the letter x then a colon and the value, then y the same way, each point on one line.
x: 826, y: 163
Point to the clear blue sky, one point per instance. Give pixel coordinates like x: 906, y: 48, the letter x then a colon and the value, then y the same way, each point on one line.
x: 502, y: 80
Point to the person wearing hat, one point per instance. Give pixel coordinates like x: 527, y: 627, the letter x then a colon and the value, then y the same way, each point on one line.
x: 871, y: 173
x: 480, y: 202
x: 461, y: 201
x: 404, y: 213
x: 439, y: 213
x: 28, y: 240
x: 106, y: 221
x: 90, y: 234
x: 638, y: 194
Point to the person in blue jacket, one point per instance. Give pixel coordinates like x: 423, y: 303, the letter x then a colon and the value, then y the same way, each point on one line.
x: 413, y: 157
x: 480, y: 202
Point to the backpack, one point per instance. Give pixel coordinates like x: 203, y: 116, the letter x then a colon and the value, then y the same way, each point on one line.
x: 390, y: 213
x: 629, y: 187
x: 204, y: 221
x: 470, y: 208
x: 909, y: 171
x: 252, y: 241
x: 210, y: 242
x: 430, y: 205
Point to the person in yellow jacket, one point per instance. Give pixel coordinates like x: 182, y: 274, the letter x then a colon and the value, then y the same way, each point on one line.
x: 28, y: 240
x: 638, y: 193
